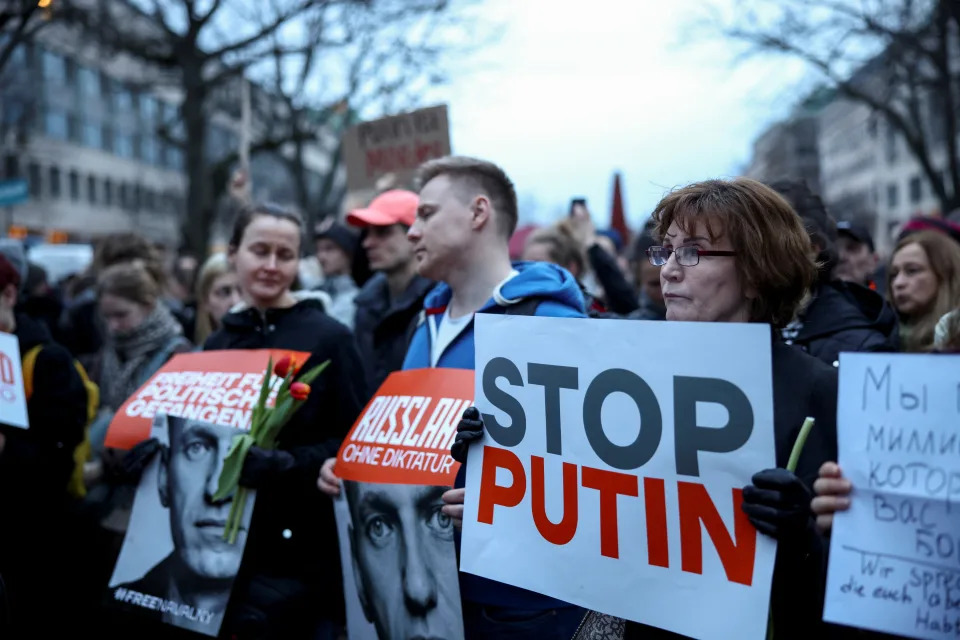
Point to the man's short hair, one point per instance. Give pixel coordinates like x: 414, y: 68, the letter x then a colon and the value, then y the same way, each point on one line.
x: 484, y: 176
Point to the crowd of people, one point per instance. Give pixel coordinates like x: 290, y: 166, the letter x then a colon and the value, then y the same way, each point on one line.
x: 403, y: 279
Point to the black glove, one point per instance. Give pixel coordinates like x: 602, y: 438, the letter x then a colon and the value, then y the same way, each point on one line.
x: 262, y: 466
x: 778, y: 504
x: 128, y: 468
x: 469, y: 430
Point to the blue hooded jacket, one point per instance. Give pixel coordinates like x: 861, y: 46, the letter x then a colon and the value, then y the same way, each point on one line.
x: 561, y: 297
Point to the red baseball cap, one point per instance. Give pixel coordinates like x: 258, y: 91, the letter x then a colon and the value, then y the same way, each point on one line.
x: 390, y: 207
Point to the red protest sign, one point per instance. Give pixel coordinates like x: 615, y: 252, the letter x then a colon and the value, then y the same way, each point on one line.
x: 404, y: 434
x: 220, y: 387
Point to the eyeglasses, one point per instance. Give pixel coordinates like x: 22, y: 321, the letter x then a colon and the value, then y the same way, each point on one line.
x: 686, y: 256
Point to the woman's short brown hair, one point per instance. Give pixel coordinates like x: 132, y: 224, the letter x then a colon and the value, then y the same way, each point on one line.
x: 774, y: 254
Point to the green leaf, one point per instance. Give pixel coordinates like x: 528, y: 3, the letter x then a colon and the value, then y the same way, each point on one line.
x: 258, y: 408
x: 311, y: 375
x: 232, y: 465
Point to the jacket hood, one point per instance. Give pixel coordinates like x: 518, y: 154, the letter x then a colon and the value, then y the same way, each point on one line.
x: 840, y: 306
x: 541, y: 280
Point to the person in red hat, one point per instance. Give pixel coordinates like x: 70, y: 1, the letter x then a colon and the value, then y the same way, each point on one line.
x: 389, y: 303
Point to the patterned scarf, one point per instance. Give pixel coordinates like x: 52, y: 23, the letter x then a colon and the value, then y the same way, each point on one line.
x: 125, y: 354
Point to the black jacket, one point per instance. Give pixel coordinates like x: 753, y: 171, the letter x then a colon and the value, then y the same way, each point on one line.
x: 36, y: 464
x: 846, y: 317
x: 293, y: 534
x: 802, y: 386
x: 382, y: 325
x: 620, y: 296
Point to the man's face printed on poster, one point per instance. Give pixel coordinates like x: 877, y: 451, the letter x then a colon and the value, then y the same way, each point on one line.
x: 189, y: 473
x: 406, y: 572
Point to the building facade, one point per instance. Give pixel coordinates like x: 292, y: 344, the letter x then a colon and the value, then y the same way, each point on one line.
x: 90, y: 131
x: 787, y: 150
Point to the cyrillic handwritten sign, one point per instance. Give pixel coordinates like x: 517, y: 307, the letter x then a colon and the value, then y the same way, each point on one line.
x: 895, y: 555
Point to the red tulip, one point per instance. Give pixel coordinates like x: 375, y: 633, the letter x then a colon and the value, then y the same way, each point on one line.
x: 299, y: 391
x: 284, y: 366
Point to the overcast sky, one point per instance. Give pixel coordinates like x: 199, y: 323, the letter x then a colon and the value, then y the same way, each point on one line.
x: 578, y: 89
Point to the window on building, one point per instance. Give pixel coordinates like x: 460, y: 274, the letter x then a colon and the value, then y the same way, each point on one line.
x: 123, y: 195
x: 149, y: 149
x: 106, y: 88
x: 107, y: 139
x: 170, y: 117
x: 88, y: 80
x: 891, y: 144
x: 916, y: 189
x: 73, y: 183
x: 54, y: 182
x: 148, y: 110
x: 173, y: 158
x: 33, y: 173
x: 73, y: 128
x: 122, y: 98
x: 123, y: 145
x: 55, y: 124
x: 91, y: 135
x: 136, y: 199
x: 92, y: 189
x: 54, y: 68
x: 19, y: 56
x: 892, y: 196
x: 108, y: 192
x: 11, y: 166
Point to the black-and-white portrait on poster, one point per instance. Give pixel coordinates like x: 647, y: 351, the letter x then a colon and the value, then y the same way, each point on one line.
x: 399, y: 563
x: 175, y: 564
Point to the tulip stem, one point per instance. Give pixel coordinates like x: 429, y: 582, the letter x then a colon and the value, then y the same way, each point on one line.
x: 236, y: 514
x: 798, y: 445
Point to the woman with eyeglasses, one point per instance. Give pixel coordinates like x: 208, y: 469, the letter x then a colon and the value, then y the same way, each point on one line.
x: 734, y: 251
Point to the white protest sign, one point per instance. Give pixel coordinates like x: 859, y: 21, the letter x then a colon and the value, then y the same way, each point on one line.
x: 611, y: 469
x: 895, y: 555
x: 13, y: 399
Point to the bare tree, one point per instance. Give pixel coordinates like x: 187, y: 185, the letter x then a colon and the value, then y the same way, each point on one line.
x: 200, y: 45
x: 395, y: 52
x: 20, y: 20
x: 901, y: 58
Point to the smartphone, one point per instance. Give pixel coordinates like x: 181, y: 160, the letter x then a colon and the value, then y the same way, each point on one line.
x: 577, y: 202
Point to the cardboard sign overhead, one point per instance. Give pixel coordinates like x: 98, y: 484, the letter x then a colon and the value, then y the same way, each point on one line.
x: 394, y: 145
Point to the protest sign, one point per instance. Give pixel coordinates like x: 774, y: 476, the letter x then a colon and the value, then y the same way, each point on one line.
x: 394, y: 145
x: 174, y: 565
x: 611, y: 469
x: 895, y: 554
x: 220, y: 387
x: 399, y: 563
x: 13, y: 399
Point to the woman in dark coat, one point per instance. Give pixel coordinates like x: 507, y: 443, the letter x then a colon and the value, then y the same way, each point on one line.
x: 289, y: 584
x: 736, y: 252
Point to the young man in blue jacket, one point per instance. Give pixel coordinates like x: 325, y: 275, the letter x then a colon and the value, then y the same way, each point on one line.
x: 467, y: 213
